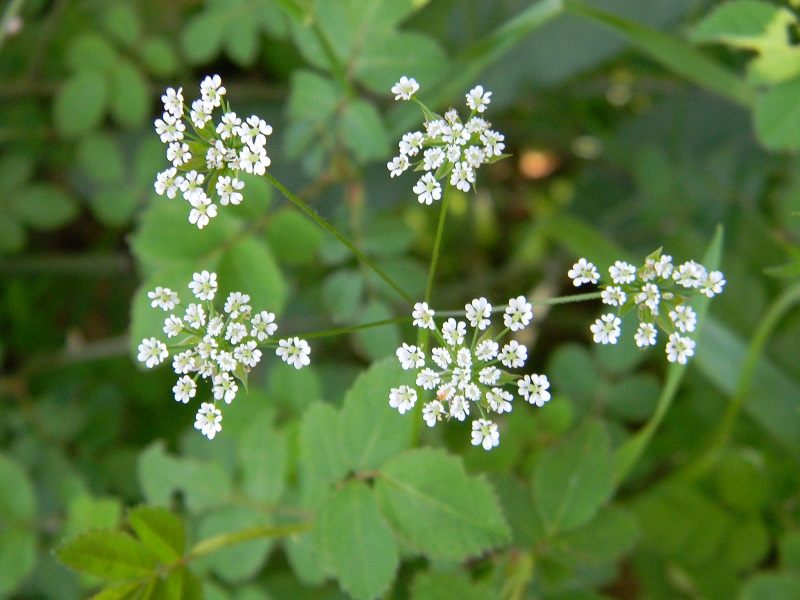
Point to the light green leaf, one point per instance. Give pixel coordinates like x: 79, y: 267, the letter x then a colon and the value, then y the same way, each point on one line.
x: 777, y: 116
x: 574, y: 479
x: 436, y: 508
x: 201, y: 38
x: 313, y: 100
x: 79, y: 105
x: 362, y: 130
x: 745, y: 24
x: 771, y: 585
x: 100, y: 157
x: 361, y: 546
x: 789, y: 552
x: 17, y: 538
x: 17, y: 500
x: 449, y: 586
x: 110, y: 555
x: 120, y: 591
x: 341, y: 294
x: 15, y: 169
x: 159, y: 56
x: 249, y: 267
x: 321, y: 448
x: 160, y: 530
x: 86, y: 512
x: 378, y: 342
x: 45, y: 206
x: 114, y: 206
x: 293, y: 238
x: 583, y: 240
x: 129, y: 96
x: 242, y: 41
x: 263, y: 457
x: 372, y: 431
x: 122, y: 22
x: 90, y: 52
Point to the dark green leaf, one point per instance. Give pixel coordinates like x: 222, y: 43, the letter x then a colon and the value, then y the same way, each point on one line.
x: 378, y: 342
x: 611, y: 533
x: 341, y: 294
x: 263, y: 458
x: 436, y: 508
x: 159, y: 56
x: 771, y: 585
x: 128, y: 95
x: 361, y: 547
x: 201, y: 38
x: 45, y: 206
x: 242, y: 41
x: 100, y: 157
x: 449, y: 586
x: 249, y: 267
x: 79, y: 105
x: 293, y: 238
x: 363, y: 132
x: 777, y: 116
x: 160, y: 530
x: 122, y: 22
x: 17, y: 500
x: 321, y: 448
x: 90, y: 52
x: 110, y: 555
x: 114, y: 206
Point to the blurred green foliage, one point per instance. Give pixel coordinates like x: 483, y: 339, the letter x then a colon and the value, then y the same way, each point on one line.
x: 632, y: 125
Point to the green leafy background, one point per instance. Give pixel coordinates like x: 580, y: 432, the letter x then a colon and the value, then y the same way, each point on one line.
x: 631, y: 125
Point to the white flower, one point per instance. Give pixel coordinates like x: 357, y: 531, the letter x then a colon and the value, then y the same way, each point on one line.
x: 207, y: 347
x: 169, y: 128
x: 164, y: 298
x: 711, y: 284
x: 622, y: 272
x: 583, y: 272
x: 606, y: 329
x: 226, y: 361
x: 493, y: 143
x: 173, y: 326
x: 499, y: 400
x: 236, y: 304
x: 614, y: 296
x: 410, y: 357
x: 254, y: 160
x: 679, y: 348
x: 459, y: 407
x: 441, y: 357
x: 202, y: 211
x: 247, y: 354
x: 432, y: 412
x: 478, y: 313
x: 168, y: 182
x: 235, y: 332
x: 487, y: 350
x: 204, y: 285
x: 294, y: 352
x: 191, y: 185
x: 215, y: 326
x: 263, y: 325
x: 650, y: 295
x: 423, y: 316
x: 397, y: 165
x: 228, y: 125
x: 489, y: 375
x: 255, y: 132
x: 518, y: 313
x: 474, y: 156
x: 211, y: 90
x: 484, y: 433
x: 453, y: 332
x: 225, y: 388
x: 428, y: 379
x: 513, y: 354
x: 645, y: 335
x: 183, y: 362
x: 227, y: 188
x: 208, y: 420
x: 684, y: 317
x: 201, y: 113
x: 405, y: 88
x: 462, y: 176
x: 411, y: 143
x: 428, y: 189
x: 433, y: 158
x: 185, y: 389
x: 477, y: 99
x: 173, y: 102
x: 403, y: 398
x: 178, y: 153
x: 195, y: 316
x: 152, y: 352
x: 534, y: 389
x: 689, y: 274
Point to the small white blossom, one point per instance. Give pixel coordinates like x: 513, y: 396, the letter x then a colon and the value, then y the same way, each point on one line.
x: 178, y: 153
x: 164, y: 298
x: 226, y: 361
x: 204, y: 285
x: 201, y: 113
x: 173, y: 102
x: 433, y: 158
x: 650, y: 295
x: 215, y: 326
x: 403, y: 398
x: 499, y: 400
x: 228, y: 190
x: 294, y: 352
x: 428, y: 379
x: 489, y: 375
x: 622, y: 272
x: 168, y: 182
x: 712, y: 284
x: 173, y: 326
x: 423, y: 316
x: 235, y: 332
x: 462, y: 176
x: 679, y: 348
x: 152, y: 352
x: 432, y: 412
x: 645, y: 335
x: 212, y: 90
x: 254, y: 133
x: 428, y: 189
x: 410, y: 357
x: 583, y: 272
x: 236, y: 304
x: 441, y: 357
x: 684, y: 317
x: 518, y: 313
x: 613, y: 296
x: 202, y: 211
x: 533, y: 388
x: 485, y: 433
x: 606, y: 329
x: 195, y: 316
x: 513, y: 355
x: 459, y: 408
x: 185, y: 389
x: 183, y: 362
x: 263, y: 325
x: 225, y: 388
x: 208, y: 420
x: 477, y: 99
x: 453, y: 332
x: 405, y: 88
x: 487, y: 350
x: 397, y: 165
x: 478, y: 313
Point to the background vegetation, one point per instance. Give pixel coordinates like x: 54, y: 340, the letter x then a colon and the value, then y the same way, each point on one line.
x: 632, y: 125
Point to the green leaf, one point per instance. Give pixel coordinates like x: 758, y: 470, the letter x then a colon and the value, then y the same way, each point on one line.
x: 341, y: 294
x: 159, y: 56
x: 436, y: 508
x: 583, y: 240
x: 263, y: 457
x: 249, y: 266
x: 122, y: 22
x: 100, y: 157
x: 313, y: 100
x: 745, y: 24
x: 114, y: 206
x: 110, y: 555
x: 746, y: 544
x: 777, y: 116
x: 771, y: 585
x: 86, y: 512
x: 90, y: 52
x: 160, y: 530
x: 12, y: 233
x: 293, y: 238
x: 449, y: 586
x: 672, y: 53
x: 362, y: 130
x: 242, y: 41
x: 362, y: 549
x: 128, y: 95
x: 18, y: 554
x: 321, y: 447
x: 15, y: 169
x: 612, y: 533
x: 789, y: 552
x: 372, y: 431
x: 17, y: 500
x: 45, y: 206
x: 201, y: 38
x: 574, y: 479
x: 80, y: 103
x: 121, y: 591
x: 17, y: 540
x: 378, y: 342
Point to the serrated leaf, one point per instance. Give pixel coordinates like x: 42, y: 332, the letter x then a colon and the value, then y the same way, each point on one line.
x: 744, y: 23
x: 44, y: 206
x: 122, y: 591
x: 436, y: 508
x: 128, y: 95
x: 110, y: 555
x: 160, y: 530
x: 321, y: 448
x: 372, y: 431
x: 574, y: 479
x: 263, y: 457
x: 361, y: 546
x: 80, y: 103
x: 86, y: 512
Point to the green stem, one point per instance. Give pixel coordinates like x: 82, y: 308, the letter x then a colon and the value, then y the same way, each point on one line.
x: 437, y: 243
x: 225, y: 540
x: 315, y: 216
x: 352, y: 328
x: 782, y: 305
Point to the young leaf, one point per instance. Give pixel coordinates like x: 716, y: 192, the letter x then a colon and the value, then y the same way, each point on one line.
x: 361, y: 546
x: 122, y: 591
x: 160, y: 530
x: 110, y: 555
x: 574, y: 479
x: 436, y: 508
x: 372, y: 431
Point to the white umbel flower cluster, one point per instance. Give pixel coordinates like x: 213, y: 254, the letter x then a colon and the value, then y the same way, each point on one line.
x: 206, y: 164
x: 468, y: 372
x: 448, y: 147
x: 660, y: 292
x: 220, y: 347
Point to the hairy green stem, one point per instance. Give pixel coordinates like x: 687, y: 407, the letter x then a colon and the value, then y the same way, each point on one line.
x: 317, y: 218
x: 437, y: 243
x: 352, y: 328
